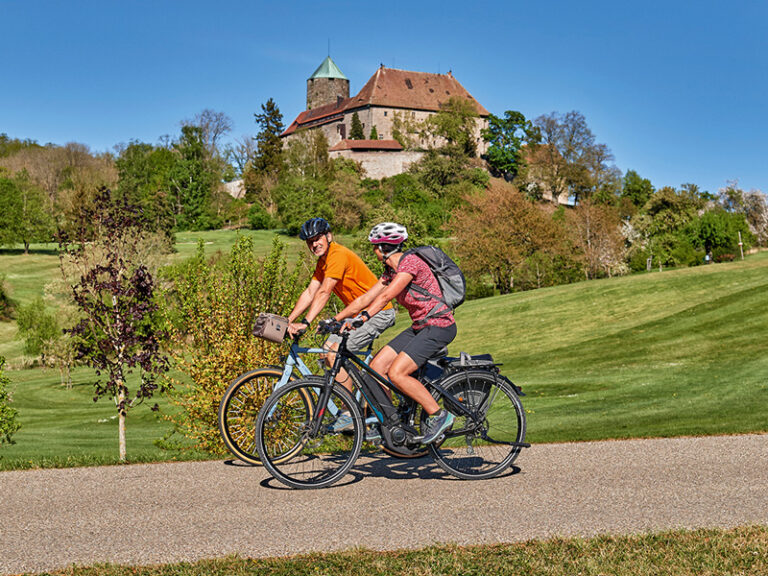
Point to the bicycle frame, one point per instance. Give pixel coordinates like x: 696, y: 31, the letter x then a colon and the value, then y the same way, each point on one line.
x: 293, y: 362
x: 384, y: 410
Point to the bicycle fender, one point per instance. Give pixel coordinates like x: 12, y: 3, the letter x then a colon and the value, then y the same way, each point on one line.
x: 515, y: 387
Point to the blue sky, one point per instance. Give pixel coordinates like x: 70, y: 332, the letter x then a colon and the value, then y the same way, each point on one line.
x: 677, y: 90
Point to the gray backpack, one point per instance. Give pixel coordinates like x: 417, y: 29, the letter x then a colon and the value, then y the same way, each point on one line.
x: 448, y: 274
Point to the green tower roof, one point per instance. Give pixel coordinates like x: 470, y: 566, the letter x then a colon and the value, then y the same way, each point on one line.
x: 328, y: 69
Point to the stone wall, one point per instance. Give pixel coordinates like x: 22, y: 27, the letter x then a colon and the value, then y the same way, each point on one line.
x: 379, y: 164
x: 326, y: 90
x: 383, y: 119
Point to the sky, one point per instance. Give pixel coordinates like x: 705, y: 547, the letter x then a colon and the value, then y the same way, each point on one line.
x: 678, y: 91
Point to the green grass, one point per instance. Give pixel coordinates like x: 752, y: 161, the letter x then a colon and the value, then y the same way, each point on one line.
x: 742, y: 551
x: 63, y: 427
x: 662, y: 354
x: 680, y: 352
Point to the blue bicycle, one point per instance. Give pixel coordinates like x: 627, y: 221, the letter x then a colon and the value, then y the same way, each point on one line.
x: 240, y: 405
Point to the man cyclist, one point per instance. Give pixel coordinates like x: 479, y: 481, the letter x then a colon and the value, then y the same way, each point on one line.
x: 340, y: 271
x: 433, y: 325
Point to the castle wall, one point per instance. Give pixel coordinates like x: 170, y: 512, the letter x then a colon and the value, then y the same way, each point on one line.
x: 379, y: 164
x: 383, y: 119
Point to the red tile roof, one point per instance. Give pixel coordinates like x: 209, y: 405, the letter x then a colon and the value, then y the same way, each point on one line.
x: 412, y: 90
x: 367, y: 145
x: 391, y: 88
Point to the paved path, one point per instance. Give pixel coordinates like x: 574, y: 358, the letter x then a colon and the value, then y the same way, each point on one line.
x: 146, y: 514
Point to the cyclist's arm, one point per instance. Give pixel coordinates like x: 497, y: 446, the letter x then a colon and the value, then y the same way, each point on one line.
x: 321, y: 298
x: 304, y: 301
x: 361, y: 302
x: 399, y: 283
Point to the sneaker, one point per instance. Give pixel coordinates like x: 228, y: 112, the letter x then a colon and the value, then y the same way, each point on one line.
x: 436, y: 425
x: 373, y: 435
x: 342, y: 423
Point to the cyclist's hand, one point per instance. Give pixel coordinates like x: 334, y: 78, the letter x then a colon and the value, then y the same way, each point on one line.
x: 297, y: 329
x: 330, y: 326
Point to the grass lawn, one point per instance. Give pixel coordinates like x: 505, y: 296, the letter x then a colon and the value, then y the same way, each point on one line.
x: 62, y: 427
x: 681, y: 352
x: 742, y: 551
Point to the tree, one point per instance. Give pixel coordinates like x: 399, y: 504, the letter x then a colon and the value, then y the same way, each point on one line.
x: 506, y: 137
x: 501, y: 234
x: 23, y: 218
x: 269, y: 146
x: 145, y: 180
x: 717, y: 232
x: 596, y: 233
x: 8, y: 423
x: 452, y: 129
x: 753, y: 205
x: 356, y: 129
x: 114, y: 292
x: 573, y: 159
x: 374, y: 134
x: 636, y: 189
x: 661, y: 224
x: 192, y: 180
x: 213, y: 126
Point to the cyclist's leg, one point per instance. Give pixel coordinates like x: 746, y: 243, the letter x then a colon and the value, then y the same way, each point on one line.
x: 414, y: 352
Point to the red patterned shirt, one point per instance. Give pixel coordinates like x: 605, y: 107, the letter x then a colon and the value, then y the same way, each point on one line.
x: 417, y: 304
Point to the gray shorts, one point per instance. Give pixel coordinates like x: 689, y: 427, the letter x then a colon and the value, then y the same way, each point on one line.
x: 360, y: 339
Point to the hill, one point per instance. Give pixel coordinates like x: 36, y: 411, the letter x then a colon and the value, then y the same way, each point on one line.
x: 681, y: 352
x: 660, y: 354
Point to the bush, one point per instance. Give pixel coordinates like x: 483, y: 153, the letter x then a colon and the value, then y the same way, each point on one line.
x: 6, y: 304
x: 37, y: 328
x: 8, y: 424
x: 212, y: 305
x: 259, y: 218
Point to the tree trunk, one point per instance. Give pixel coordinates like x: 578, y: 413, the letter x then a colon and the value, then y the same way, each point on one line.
x: 121, y: 425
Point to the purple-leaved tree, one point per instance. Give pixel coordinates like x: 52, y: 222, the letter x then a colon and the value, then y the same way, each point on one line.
x: 106, y: 252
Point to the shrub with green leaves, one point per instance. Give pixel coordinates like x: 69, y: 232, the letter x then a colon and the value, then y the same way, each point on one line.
x: 6, y: 305
x: 210, y: 308
x: 37, y: 328
x: 8, y: 423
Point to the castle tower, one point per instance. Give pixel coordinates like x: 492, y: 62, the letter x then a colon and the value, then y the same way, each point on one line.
x: 326, y: 85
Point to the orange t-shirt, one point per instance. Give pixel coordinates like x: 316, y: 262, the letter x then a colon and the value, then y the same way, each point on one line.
x: 354, y: 277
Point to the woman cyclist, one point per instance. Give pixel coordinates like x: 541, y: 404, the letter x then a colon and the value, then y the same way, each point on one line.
x: 433, y: 326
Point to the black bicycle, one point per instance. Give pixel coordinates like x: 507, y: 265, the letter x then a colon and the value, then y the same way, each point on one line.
x: 486, y: 438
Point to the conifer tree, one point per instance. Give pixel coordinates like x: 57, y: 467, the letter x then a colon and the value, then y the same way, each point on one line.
x: 374, y: 134
x: 356, y: 130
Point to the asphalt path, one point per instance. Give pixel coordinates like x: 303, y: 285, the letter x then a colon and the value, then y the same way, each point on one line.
x: 161, y: 513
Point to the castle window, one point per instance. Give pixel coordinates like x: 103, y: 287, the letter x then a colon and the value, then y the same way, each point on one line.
x: 385, y: 112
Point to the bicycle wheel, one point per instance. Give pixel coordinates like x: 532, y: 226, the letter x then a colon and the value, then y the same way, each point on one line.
x: 286, y: 421
x: 486, y: 445
x: 239, y: 408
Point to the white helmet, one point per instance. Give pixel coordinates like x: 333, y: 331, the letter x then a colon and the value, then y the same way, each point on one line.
x: 388, y: 233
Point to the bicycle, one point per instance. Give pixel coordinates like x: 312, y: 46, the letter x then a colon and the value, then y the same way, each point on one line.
x: 240, y: 404
x: 486, y: 437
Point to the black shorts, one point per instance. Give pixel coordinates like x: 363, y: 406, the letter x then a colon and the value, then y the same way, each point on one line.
x: 421, y: 345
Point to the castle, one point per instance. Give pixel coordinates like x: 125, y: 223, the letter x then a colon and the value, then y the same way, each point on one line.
x: 390, y: 101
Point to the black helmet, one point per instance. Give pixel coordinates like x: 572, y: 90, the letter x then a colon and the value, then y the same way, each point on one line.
x: 314, y: 227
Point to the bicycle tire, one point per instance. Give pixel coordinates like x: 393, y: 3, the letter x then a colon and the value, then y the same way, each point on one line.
x: 285, y: 419
x: 488, y: 451
x: 239, y: 409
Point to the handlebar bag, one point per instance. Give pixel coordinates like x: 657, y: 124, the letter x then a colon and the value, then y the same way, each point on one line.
x: 270, y: 327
